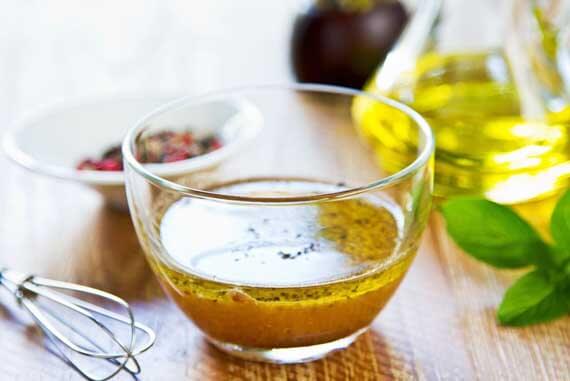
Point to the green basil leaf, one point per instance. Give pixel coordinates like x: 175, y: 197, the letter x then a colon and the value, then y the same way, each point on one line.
x: 493, y: 233
x: 533, y: 299
x: 560, y: 224
x: 558, y: 257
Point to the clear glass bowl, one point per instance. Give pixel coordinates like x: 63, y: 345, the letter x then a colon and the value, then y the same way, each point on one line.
x: 286, y: 243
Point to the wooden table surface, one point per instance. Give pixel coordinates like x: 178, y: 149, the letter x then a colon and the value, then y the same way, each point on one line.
x: 439, y: 326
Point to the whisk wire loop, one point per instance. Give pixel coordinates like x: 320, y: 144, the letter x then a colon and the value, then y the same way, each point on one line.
x: 27, y: 289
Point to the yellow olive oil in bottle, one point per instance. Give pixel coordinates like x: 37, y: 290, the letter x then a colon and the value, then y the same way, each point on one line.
x: 500, y: 115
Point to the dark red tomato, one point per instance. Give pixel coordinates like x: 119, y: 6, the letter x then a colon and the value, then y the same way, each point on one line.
x: 337, y: 46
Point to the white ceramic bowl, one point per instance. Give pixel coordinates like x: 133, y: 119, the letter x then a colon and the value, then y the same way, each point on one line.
x: 53, y: 141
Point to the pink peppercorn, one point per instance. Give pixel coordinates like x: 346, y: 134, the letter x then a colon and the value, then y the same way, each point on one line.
x: 215, y: 144
x: 176, y: 156
x: 187, y: 138
x: 87, y: 164
x: 109, y: 165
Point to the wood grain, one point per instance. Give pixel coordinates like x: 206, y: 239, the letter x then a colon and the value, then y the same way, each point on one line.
x: 439, y: 326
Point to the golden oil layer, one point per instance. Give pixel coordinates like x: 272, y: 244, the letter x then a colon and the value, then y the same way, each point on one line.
x: 282, y: 276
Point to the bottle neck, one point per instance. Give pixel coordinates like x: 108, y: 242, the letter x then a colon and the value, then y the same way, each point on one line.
x: 535, y: 50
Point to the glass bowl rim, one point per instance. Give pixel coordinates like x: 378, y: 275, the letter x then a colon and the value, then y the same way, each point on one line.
x: 421, y: 159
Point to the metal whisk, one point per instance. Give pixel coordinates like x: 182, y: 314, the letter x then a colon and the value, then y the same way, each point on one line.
x: 58, y: 308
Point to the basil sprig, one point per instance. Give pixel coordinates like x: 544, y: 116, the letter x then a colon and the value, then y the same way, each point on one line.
x: 496, y: 235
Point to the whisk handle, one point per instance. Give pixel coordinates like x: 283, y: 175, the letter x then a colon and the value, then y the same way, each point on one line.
x: 13, y: 281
